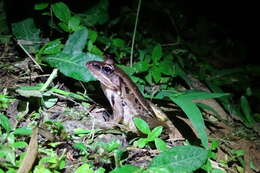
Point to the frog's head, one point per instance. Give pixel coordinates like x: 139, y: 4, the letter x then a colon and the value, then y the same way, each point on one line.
x: 105, y: 72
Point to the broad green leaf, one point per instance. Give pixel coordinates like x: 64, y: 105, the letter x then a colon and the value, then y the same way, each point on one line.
x: 4, y: 122
x: 128, y: 169
x: 73, y: 66
x: 142, y: 125
x: 247, y: 110
x: 97, y: 15
x: 160, y: 144
x: 28, y: 34
x: 157, y: 53
x: 195, y: 116
x: 155, y: 133
x: 184, y: 159
x: 23, y: 131
x: 41, y: 5
x: 191, y: 110
x: 76, y: 42
x: 61, y: 11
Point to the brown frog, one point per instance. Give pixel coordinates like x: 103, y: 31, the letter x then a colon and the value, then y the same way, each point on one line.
x: 125, y: 98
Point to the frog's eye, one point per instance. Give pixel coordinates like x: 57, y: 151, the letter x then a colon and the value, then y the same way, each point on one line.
x: 96, y: 66
x: 107, y: 69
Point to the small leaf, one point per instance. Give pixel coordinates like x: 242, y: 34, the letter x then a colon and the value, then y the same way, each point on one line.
x: 155, y: 133
x: 140, y: 143
x: 182, y: 159
x: 142, y: 125
x: 4, y: 122
x: 85, y: 168
x: 74, y: 23
x: 157, y: 53
x: 160, y: 144
x: 41, y: 5
x: 52, y: 47
x: 247, y: 110
x: 141, y: 66
x: 128, y: 169
x: 49, y: 101
x: 92, y: 35
x: 61, y: 11
x: 23, y: 131
x: 119, y: 43
x: 155, y: 71
x: 20, y: 144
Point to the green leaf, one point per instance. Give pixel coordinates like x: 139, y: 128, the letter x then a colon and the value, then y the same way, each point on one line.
x: 195, y: 116
x: 155, y: 133
x: 61, y: 11
x: 41, y: 169
x: 41, y: 5
x: 157, y: 53
x: 246, y: 110
x: 85, y: 168
x: 202, y: 95
x: 74, y: 23
x: 92, y: 35
x: 142, y: 125
x: 73, y: 66
x: 4, y: 122
x: 141, y: 142
x: 128, y: 169
x: 52, y: 47
x: 20, y: 144
x: 76, y: 42
x: 7, y: 153
x: 160, y: 144
x: 182, y: 159
x: 191, y: 110
x: 27, y: 32
x: 156, y: 73
x: 49, y: 101
x: 23, y: 131
x: 117, y: 42
x: 71, y: 61
x: 81, y: 147
x: 141, y: 66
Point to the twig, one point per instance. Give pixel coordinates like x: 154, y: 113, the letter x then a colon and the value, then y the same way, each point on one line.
x: 28, y: 54
x: 50, y: 79
x: 133, y: 38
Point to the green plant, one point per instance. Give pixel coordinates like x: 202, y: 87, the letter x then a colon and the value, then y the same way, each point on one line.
x: 152, y: 135
x: 4, y: 101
